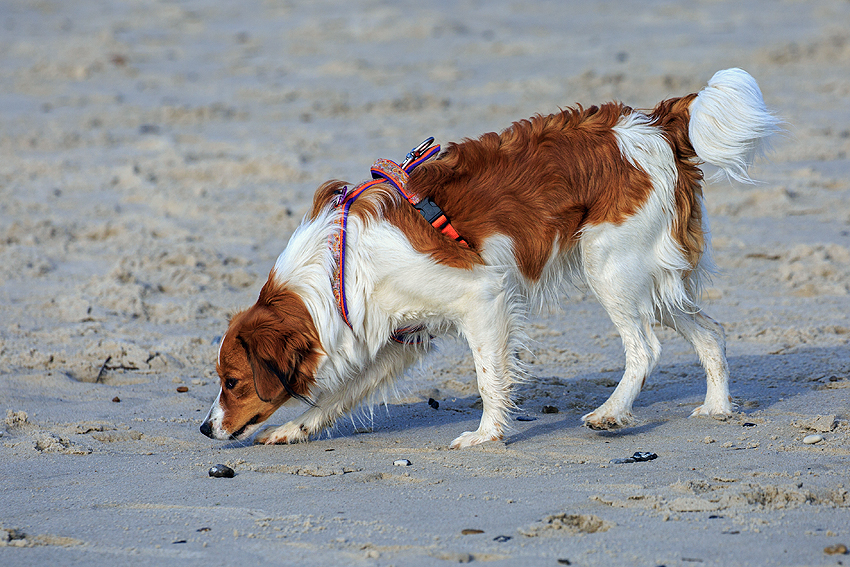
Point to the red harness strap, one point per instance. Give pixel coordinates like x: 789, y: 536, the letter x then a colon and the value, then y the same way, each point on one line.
x: 388, y: 171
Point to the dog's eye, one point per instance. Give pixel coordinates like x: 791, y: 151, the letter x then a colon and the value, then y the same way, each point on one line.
x: 230, y: 383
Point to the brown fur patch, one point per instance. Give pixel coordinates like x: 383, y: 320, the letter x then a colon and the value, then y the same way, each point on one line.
x: 540, y: 180
x: 328, y: 191
x: 271, y: 351
x: 673, y: 116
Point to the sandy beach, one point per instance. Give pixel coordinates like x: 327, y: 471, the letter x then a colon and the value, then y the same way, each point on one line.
x: 155, y: 157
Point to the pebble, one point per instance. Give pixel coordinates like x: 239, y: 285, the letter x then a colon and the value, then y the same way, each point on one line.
x: 525, y: 418
x: 748, y: 424
x: 402, y: 463
x: 471, y: 531
x: 550, y: 409
x: 502, y: 538
x: 433, y: 403
x: 812, y: 439
x: 638, y: 457
x: 222, y: 471
x: 837, y: 549
x: 182, y: 389
x: 116, y: 399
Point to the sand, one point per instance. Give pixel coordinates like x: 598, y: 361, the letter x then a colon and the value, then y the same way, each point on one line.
x: 156, y: 156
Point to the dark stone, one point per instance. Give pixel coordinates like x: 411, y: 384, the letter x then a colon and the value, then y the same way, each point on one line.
x: 222, y: 471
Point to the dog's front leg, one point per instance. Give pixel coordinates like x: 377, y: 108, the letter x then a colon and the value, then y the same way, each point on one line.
x: 489, y: 328
x: 344, y: 395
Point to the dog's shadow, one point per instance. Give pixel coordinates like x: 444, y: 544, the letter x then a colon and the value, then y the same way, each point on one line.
x: 542, y: 429
x: 758, y: 381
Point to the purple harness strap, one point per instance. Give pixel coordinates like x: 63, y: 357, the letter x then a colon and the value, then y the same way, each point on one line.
x: 383, y: 171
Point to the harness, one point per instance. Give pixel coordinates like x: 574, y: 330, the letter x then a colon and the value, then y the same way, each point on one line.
x: 396, y: 175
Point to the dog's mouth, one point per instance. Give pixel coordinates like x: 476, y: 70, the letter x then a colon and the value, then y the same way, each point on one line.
x: 238, y: 434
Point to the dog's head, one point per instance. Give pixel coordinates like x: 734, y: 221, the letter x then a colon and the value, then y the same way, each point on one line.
x: 268, y: 356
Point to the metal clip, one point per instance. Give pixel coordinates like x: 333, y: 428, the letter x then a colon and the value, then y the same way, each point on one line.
x: 416, y: 152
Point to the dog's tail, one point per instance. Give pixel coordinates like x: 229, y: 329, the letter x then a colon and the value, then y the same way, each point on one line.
x: 729, y: 123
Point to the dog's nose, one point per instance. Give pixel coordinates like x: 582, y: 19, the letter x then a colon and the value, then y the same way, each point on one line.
x: 206, y: 429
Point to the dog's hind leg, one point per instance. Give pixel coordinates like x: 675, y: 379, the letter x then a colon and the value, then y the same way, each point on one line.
x: 329, y: 405
x: 709, y: 342
x: 642, y: 352
x: 624, y: 287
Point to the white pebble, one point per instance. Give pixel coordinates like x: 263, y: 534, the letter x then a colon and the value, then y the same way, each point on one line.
x: 812, y: 439
x: 402, y: 463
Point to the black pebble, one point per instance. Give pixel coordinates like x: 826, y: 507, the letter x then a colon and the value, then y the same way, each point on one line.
x: 640, y: 457
x: 502, y: 538
x: 433, y: 403
x: 550, y: 409
x: 748, y: 424
x: 222, y: 471
x: 525, y: 418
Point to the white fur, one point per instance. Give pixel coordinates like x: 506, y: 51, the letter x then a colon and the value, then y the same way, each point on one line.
x: 730, y: 122
x: 636, y: 269
x: 215, y: 417
x: 403, y: 288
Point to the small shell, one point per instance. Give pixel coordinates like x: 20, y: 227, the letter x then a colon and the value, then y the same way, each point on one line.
x: 402, y: 463
x: 812, y: 439
x: 222, y: 471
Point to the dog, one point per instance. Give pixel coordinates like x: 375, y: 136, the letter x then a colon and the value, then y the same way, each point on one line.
x: 606, y: 195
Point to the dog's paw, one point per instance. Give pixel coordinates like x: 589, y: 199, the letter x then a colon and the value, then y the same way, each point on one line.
x: 600, y: 421
x: 717, y: 411
x: 279, y: 435
x: 717, y: 407
x: 470, y: 438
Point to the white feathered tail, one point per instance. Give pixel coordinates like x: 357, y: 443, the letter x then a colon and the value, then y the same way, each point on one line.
x: 730, y: 123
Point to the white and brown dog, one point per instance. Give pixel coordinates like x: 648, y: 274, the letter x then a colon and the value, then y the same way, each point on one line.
x: 607, y: 195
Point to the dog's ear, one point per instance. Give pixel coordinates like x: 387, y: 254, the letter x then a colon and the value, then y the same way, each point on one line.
x: 276, y: 354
